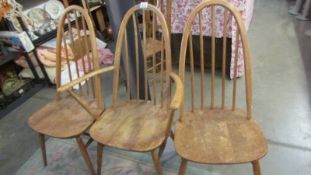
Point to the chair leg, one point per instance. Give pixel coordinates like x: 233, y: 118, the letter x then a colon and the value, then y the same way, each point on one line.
x: 43, y: 150
x: 183, y: 167
x: 85, y: 155
x: 156, y: 161
x: 162, y: 148
x: 172, y: 135
x: 100, y: 148
x: 256, y: 167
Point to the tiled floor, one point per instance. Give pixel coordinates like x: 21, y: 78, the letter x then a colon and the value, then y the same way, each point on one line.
x: 282, y: 84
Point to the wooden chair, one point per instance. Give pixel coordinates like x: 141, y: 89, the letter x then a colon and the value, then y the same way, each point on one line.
x: 98, y: 12
x: 216, y: 132
x: 70, y: 116
x: 151, y: 43
x: 97, y: 9
x: 136, y: 124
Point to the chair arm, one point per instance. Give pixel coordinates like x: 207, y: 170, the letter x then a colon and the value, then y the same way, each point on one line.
x: 95, y: 113
x: 179, y: 93
x: 85, y: 77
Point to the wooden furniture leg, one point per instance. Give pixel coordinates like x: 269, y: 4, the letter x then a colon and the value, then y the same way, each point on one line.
x: 100, y: 148
x: 100, y: 19
x: 43, y: 150
x: 305, y: 11
x: 89, y: 142
x: 296, y: 9
x: 161, y: 149
x: 172, y: 135
x: 156, y: 161
x: 256, y: 167
x: 183, y: 167
x: 85, y: 155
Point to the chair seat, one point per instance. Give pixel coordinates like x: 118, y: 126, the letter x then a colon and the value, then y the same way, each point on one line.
x: 62, y: 118
x: 219, y: 136
x: 152, y: 46
x: 136, y: 126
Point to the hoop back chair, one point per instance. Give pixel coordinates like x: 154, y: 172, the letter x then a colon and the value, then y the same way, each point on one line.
x: 98, y: 12
x: 136, y: 124
x: 151, y: 42
x: 216, y: 130
x: 71, y: 114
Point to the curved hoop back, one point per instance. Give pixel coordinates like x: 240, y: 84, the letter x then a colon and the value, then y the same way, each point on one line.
x: 133, y: 61
x: 76, y: 55
x: 231, y: 15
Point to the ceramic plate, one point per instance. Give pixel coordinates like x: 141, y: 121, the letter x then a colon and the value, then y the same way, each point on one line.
x: 54, y: 8
x: 39, y: 16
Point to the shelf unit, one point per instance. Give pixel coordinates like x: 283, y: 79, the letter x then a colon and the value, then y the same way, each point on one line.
x: 9, y: 57
x: 20, y: 100
x: 36, y: 84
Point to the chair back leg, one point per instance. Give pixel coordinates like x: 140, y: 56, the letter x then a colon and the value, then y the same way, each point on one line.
x: 183, y: 167
x: 100, y: 150
x: 43, y: 150
x: 156, y: 161
x: 161, y: 149
x: 85, y: 155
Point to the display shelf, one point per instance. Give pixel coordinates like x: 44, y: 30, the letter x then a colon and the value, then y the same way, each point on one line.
x: 9, y: 57
x: 35, y: 85
x: 20, y: 100
x: 44, y: 38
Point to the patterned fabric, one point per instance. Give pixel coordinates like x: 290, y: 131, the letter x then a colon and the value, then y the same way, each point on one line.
x: 105, y: 56
x: 181, y: 10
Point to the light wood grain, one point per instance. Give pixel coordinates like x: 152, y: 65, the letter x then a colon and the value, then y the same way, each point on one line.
x: 151, y: 43
x: 246, y: 52
x: 70, y: 115
x: 192, y: 71
x: 218, y: 134
x: 68, y: 86
x: 64, y: 118
x: 156, y: 162
x: 140, y: 124
x: 256, y: 167
x: 224, y: 58
x: 85, y: 154
x: 234, y: 89
x: 179, y: 93
x: 98, y: 13
x: 213, y: 57
x: 151, y: 47
x: 202, y: 62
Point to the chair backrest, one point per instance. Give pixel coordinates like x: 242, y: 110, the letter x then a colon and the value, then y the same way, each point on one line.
x: 159, y: 82
x: 77, y: 59
x: 231, y: 18
x: 166, y: 8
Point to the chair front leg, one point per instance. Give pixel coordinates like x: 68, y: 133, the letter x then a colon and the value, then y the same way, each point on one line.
x: 42, y: 146
x: 183, y: 167
x: 100, y: 150
x: 156, y: 161
x: 256, y: 167
x: 85, y: 155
